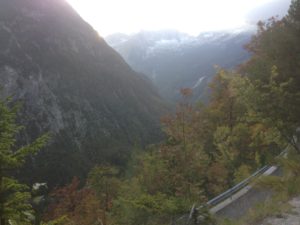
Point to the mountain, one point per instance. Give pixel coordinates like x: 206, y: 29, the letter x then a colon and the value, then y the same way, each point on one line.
x: 174, y: 60
x: 73, y: 85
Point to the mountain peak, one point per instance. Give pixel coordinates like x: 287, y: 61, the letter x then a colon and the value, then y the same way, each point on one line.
x: 175, y: 60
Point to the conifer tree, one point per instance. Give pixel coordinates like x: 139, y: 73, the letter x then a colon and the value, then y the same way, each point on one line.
x: 14, y: 196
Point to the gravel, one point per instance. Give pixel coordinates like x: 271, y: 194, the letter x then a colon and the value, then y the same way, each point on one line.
x: 290, y: 218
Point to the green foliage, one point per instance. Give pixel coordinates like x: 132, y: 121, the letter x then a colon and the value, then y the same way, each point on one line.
x: 293, y: 17
x: 14, y: 197
x: 272, y: 88
x: 240, y: 142
x: 60, y: 221
x: 104, y: 181
x: 289, y: 183
x: 256, y: 115
x: 164, y: 185
x: 242, y: 173
x: 272, y: 104
x: 136, y: 206
x: 248, y: 121
x: 208, y: 148
x: 168, y: 178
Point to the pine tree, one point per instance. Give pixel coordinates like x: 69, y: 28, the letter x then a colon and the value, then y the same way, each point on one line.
x: 14, y: 196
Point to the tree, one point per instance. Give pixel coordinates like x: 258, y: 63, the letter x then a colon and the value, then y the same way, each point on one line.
x: 176, y: 126
x: 103, y: 180
x: 271, y: 88
x: 39, y: 200
x: 272, y: 104
x: 276, y: 48
x: 77, y: 206
x: 14, y: 196
x: 239, y: 144
x: 293, y: 17
x: 163, y: 187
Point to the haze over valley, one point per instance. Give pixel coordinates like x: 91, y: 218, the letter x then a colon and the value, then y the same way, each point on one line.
x: 148, y: 112
x: 175, y: 60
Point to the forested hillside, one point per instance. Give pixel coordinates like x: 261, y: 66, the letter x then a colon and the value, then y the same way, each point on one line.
x: 253, y: 113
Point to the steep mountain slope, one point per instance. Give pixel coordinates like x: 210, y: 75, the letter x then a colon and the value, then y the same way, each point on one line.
x: 72, y: 84
x: 175, y: 60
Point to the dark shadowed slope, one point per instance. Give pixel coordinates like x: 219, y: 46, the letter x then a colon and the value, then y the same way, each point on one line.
x: 74, y: 85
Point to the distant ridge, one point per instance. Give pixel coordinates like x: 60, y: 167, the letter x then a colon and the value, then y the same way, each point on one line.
x: 174, y: 60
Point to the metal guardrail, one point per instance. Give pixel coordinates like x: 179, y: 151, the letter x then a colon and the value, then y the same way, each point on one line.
x: 186, y: 219
x: 236, y: 188
x: 227, y: 194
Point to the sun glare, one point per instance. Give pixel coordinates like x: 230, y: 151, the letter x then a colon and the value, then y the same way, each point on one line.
x: 191, y: 16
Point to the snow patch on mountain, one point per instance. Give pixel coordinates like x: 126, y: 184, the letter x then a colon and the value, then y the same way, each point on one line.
x: 173, y: 59
x: 198, y: 82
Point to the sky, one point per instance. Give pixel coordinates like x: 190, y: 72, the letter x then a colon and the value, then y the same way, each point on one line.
x: 189, y: 16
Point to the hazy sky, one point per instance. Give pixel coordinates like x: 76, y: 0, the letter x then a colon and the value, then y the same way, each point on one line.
x: 190, y: 16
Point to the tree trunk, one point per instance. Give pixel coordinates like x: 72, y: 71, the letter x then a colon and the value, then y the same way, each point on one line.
x: 295, y: 144
x: 2, y: 220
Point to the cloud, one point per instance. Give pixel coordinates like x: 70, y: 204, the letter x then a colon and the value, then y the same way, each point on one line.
x: 264, y: 12
x: 190, y: 16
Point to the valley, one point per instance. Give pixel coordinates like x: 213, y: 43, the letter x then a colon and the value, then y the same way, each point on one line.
x: 140, y: 128
x: 174, y: 60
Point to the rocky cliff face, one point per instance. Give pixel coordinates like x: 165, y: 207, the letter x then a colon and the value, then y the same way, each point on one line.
x: 73, y: 85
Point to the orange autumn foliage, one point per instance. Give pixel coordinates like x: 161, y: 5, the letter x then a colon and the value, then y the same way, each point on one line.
x: 79, y: 205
